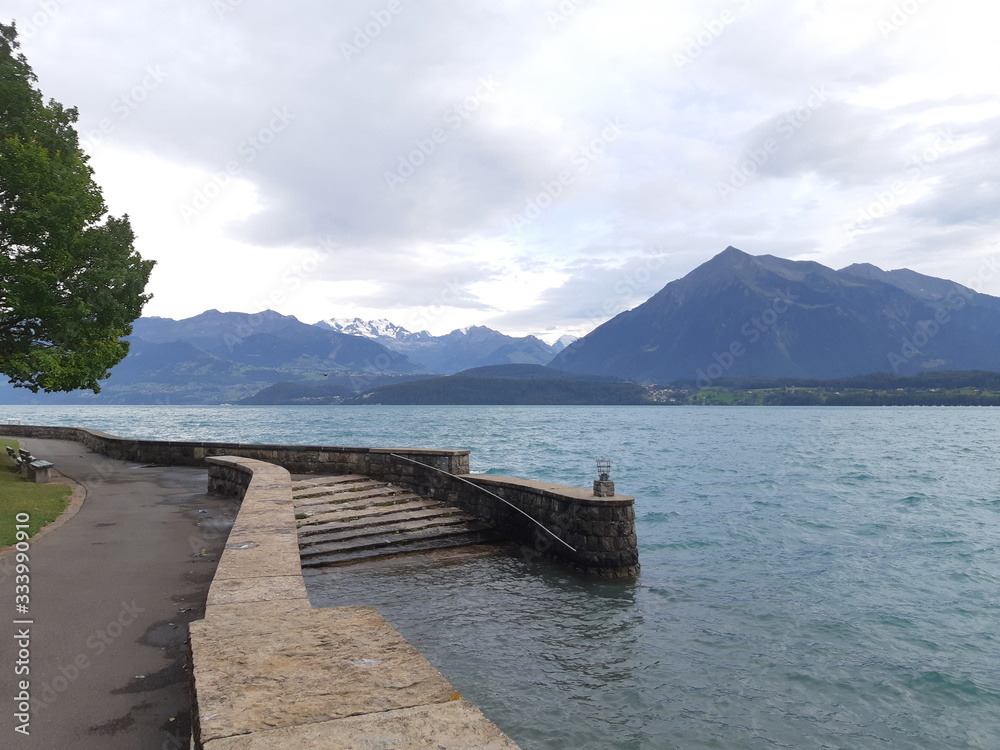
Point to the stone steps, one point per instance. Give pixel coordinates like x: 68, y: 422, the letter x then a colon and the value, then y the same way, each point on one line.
x: 389, y: 537
x: 374, y: 517
x: 361, y: 535
x: 389, y: 550
x: 324, y: 480
x: 311, y: 507
x: 343, y: 493
x: 354, y: 518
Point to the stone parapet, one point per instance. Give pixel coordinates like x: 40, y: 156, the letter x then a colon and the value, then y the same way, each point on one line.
x: 271, y: 672
x: 600, y: 530
x: 300, y: 459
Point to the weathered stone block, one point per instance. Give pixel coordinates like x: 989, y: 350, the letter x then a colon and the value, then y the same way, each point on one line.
x: 604, y: 488
x: 455, y: 725
x: 259, y: 555
x: 314, y: 669
x: 251, y: 617
x: 237, y: 590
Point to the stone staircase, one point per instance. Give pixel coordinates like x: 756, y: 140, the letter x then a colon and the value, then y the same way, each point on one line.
x: 351, y: 518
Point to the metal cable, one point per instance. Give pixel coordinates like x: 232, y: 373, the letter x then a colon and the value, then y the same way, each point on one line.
x: 483, y: 489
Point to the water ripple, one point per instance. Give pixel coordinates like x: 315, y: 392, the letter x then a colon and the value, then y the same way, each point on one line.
x: 812, y: 578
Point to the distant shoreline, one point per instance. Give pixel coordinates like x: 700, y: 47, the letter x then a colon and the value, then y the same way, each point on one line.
x: 527, y: 385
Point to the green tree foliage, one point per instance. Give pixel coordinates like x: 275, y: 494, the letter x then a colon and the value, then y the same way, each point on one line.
x: 71, y: 282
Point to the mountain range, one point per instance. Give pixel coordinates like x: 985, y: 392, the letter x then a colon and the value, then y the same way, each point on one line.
x: 271, y: 340
x: 744, y: 315
x: 462, y: 349
x: 224, y: 357
x: 735, y: 316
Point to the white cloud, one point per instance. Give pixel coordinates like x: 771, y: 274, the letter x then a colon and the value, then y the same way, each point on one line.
x: 489, y: 112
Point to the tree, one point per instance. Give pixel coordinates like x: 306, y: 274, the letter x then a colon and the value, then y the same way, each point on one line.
x: 71, y: 282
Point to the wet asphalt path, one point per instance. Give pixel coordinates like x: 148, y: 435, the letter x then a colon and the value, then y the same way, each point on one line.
x: 111, y: 593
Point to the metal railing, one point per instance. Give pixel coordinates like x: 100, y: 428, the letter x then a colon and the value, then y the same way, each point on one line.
x: 492, y: 494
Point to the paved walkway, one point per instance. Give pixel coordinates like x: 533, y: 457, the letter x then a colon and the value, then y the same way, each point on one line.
x: 112, y: 592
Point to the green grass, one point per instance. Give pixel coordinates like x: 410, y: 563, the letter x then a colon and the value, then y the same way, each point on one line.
x: 714, y: 396
x: 42, y: 502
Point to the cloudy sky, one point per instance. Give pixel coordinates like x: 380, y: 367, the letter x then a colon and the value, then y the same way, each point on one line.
x: 532, y: 165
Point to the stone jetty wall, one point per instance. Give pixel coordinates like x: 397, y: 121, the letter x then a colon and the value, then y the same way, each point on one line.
x: 300, y: 459
x: 600, y: 529
x: 270, y: 672
x: 598, y: 532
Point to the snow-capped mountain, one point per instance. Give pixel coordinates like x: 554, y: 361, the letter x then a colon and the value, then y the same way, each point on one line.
x: 372, y: 329
x: 463, y: 348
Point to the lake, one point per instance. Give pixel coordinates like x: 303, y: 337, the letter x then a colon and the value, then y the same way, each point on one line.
x: 811, y: 577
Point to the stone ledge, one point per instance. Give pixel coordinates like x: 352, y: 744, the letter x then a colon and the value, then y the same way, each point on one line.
x: 555, y: 507
x: 269, y: 671
x: 548, y: 489
x: 246, y: 617
x: 269, y: 589
x: 455, y: 725
x: 303, y: 458
x: 306, y: 668
x: 260, y: 554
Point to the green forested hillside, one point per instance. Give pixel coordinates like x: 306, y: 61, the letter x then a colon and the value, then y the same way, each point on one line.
x: 963, y: 388
x: 464, y: 389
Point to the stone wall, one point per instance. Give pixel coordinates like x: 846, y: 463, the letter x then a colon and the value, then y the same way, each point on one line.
x: 600, y: 529
x: 299, y: 459
x: 269, y: 672
x: 599, y: 532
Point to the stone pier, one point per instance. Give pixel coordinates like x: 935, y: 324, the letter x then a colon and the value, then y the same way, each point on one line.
x: 270, y: 672
x: 595, y: 535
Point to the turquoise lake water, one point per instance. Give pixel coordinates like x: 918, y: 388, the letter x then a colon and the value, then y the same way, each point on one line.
x: 811, y: 577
